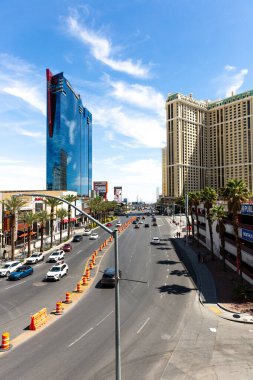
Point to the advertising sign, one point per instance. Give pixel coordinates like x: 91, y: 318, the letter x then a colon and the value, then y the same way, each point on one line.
x: 247, y: 209
x: 247, y: 235
x: 118, y: 194
x: 101, y: 188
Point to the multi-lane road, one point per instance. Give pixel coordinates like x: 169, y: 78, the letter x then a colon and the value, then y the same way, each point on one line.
x: 165, y: 333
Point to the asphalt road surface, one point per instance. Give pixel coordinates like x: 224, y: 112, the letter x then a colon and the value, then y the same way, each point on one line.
x: 165, y: 332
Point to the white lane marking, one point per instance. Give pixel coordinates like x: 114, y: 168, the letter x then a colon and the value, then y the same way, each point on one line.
x: 13, y: 286
x: 80, y: 337
x: 168, y: 270
x: 167, y: 276
x: 144, y: 324
x: 102, y: 320
x: 212, y: 329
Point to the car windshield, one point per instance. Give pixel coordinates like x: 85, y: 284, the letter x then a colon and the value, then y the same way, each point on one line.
x: 55, y: 269
x: 35, y: 255
x: 6, y: 266
x: 21, y: 269
x: 55, y: 254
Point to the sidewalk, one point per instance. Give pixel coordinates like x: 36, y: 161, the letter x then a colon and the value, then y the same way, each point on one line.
x: 210, y: 283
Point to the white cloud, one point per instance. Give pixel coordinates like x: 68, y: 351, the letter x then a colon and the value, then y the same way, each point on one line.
x: 231, y: 81
x: 140, y: 96
x: 32, y: 134
x: 21, y: 175
x: 15, y: 79
x: 102, y: 50
x: 143, y: 130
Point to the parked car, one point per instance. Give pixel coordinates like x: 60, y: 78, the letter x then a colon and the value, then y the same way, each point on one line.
x: 146, y: 225
x: 67, y: 247
x: 77, y: 238
x: 56, y: 256
x: 35, y: 258
x: 94, y: 236
x: 9, y: 267
x: 57, y: 272
x: 21, y: 272
x: 108, y: 278
x: 87, y: 232
x: 155, y: 240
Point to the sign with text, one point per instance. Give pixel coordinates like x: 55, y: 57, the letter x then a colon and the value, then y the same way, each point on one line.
x: 118, y: 194
x: 247, y: 235
x: 247, y: 209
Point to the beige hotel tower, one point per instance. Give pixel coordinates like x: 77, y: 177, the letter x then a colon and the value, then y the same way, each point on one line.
x: 208, y: 143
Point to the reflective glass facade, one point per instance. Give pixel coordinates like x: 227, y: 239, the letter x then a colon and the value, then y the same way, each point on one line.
x: 69, y: 138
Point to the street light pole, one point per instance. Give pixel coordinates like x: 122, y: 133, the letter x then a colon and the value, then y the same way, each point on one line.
x: 116, y: 256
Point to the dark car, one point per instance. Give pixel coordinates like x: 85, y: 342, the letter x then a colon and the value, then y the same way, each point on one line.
x: 21, y: 272
x: 154, y: 224
x: 77, y: 238
x: 108, y: 278
x: 146, y: 225
x: 137, y: 226
x: 135, y: 222
x: 67, y: 247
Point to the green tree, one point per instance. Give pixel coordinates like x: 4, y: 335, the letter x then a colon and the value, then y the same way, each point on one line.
x: 42, y: 217
x: 29, y: 219
x: 236, y: 192
x: 61, y: 214
x: 53, y: 203
x: 209, y: 196
x: 71, y: 198
x: 13, y: 206
x: 194, y: 200
x: 218, y: 213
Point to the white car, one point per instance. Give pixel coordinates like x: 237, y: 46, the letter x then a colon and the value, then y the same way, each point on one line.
x: 93, y: 236
x: 155, y: 240
x: 118, y: 224
x: 35, y: 258
x: 87, y: 232
x: 9, y: 267
x: 57, y: 272
x: 56, y: 256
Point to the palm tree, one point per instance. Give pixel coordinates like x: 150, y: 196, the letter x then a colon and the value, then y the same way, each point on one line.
x: 218, y: 213
x: 70, y: 198
x: 29, y: 218
x: 53, y: 203
x: 195, y: 198
x: 236, y: 192
x: 42, y: 217
x: 13, y: 205
x: 209, y: 196
x: 61, y: 214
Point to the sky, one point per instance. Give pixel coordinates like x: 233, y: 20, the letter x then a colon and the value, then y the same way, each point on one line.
x: 123, y: 58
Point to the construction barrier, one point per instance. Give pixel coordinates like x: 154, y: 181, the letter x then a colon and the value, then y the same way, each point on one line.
x: 68, y: 298
x: 78, y: 288
x: 5, y: 342
x: 91, y: 265
x: 100, y: 248
x: 59, y: 308
x: 85, y: 280
x: 38, y: 319
x: 87, y: 273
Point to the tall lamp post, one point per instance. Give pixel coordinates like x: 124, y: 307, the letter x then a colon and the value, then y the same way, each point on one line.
x: 113, y: 233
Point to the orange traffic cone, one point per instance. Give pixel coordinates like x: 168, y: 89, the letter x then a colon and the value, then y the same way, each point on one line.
x: 85, y: 280
x: 5, y: 342
x: 59, y: 309
x: 68, y: 298
x: 78, y: 288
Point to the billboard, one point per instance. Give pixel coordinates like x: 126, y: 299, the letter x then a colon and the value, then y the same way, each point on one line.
x: 101, y: 188
x: 118, y: 194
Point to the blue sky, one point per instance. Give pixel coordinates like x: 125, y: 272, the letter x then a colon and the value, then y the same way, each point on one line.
x: 123, y: 57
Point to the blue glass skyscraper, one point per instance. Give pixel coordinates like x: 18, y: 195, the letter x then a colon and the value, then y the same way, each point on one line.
x: 69, y: 138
